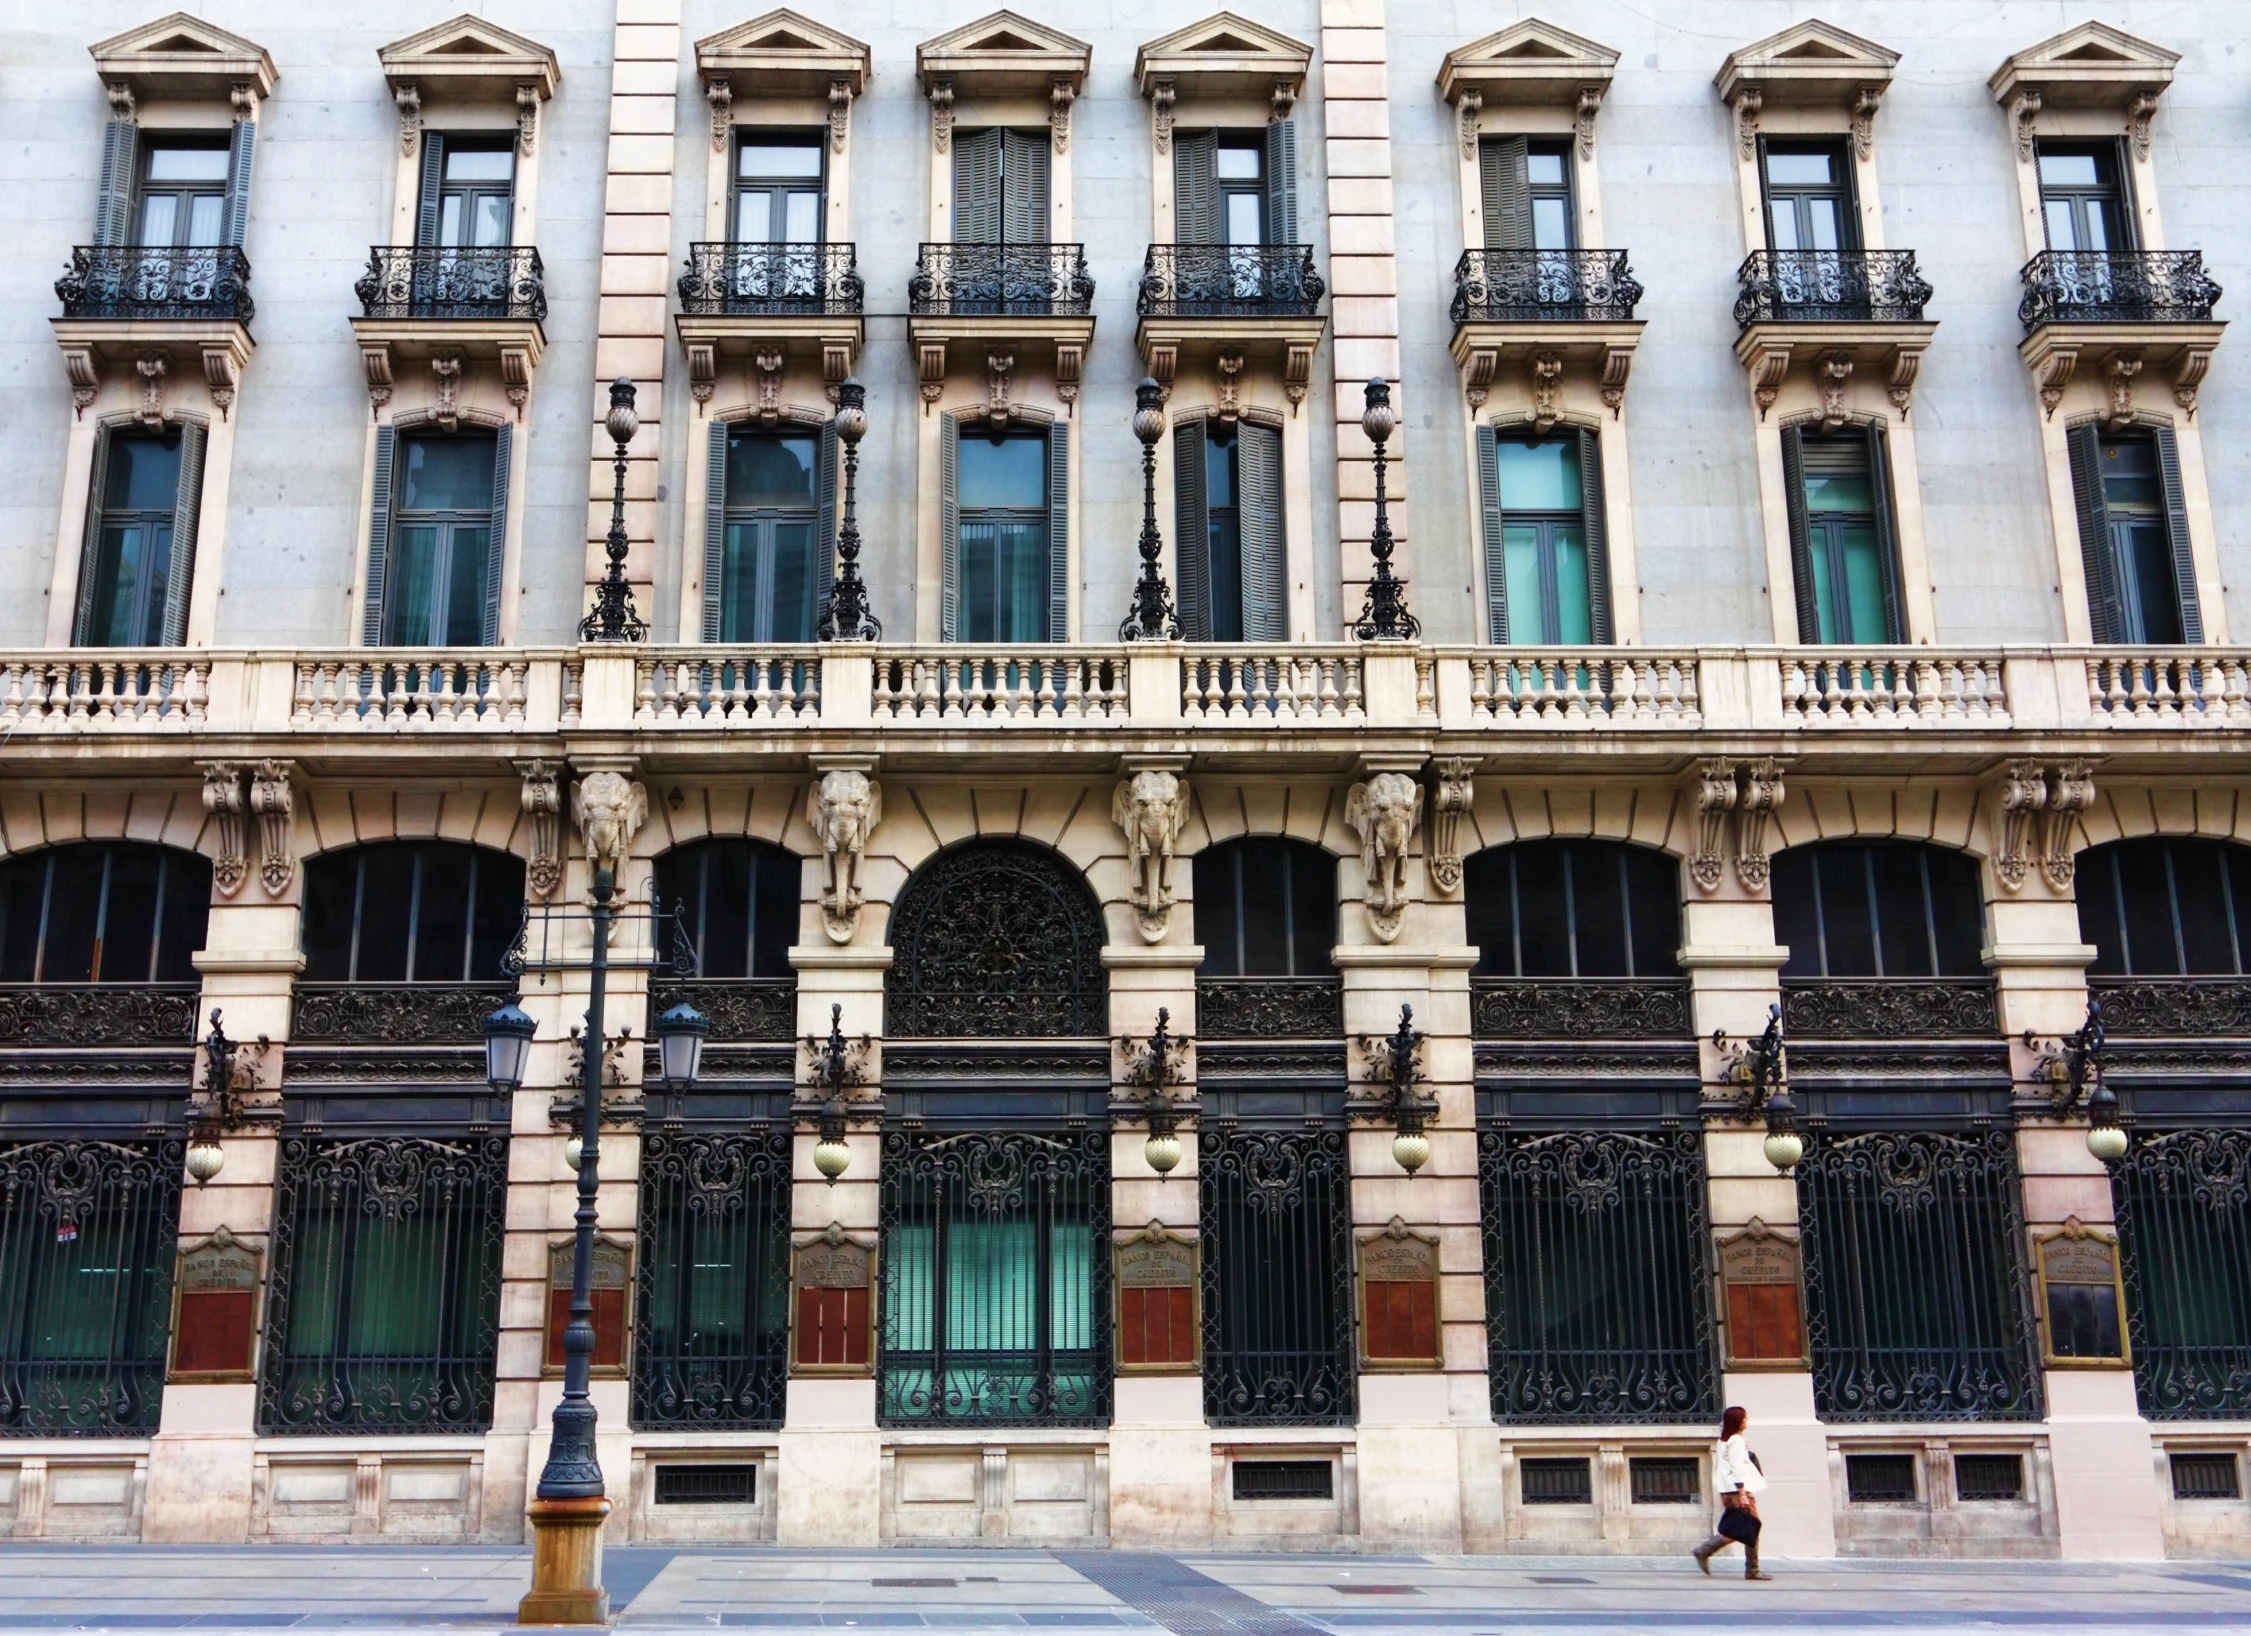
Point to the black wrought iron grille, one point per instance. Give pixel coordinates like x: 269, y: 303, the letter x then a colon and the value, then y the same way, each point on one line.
x: 2174, y: 1007
x: 996, y: 940
x: 740, y: 1009
x: 453, y: 281
x: 1270, y: 1008
x: 385, y: 1300
x: 1597, y: 1277
x: 1579, y: 1008
x: 1830, y: 287
x: 711, y: 1317
x: 2183, y: 1202
x: 1917, y: 1303
x: 1890, y: 1008
x: 995, y: 1295
x: 2116, y: 287
x: 87, y: 1236
x: 973, y: 280
x: 98, y: 1014
x: 364, y: 1013
x: 136, y: 281
x: 1230, y: 281
x: 744, y: 280
x: 1540, y: 286
x: 1277, y: 1242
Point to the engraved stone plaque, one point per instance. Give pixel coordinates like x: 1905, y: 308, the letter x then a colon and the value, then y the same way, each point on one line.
x: 2080, y: 1297
x: 1760, y: 1270
x: 1156, y: 1294
x: 835, y: 1332
x: 1399, y: 1299
x: 215, y: 1329
x: 610, y: 1277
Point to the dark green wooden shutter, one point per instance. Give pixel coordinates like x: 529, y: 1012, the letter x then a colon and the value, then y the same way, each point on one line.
x: 1594, y: 525
x: 90, y: 552
x: 187, y: 515
x: 433, y: 171
x: 2106, y: 607
x: 113, y: 204
x: 977, y: 187
x: 949, y: 528
x: 1281, y: 181
x: 1024, y: 186
x: 1766, y: 200
x: 714, y: 530
x: 496, y: 537
x: 1191, y: 524
x: 1489, y: 519
x: 2176, y: 530
x: 824, y: 528
x: 1887, y: 529
x: 1506, y: 187
x: 1801, y: 541
x: 1195, y: 187
x: 379, y: 536
x: 1058, y: 532
x: 238, y: 179
x: 1258, y: 451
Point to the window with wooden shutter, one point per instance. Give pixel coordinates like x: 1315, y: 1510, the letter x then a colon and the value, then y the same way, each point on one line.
x: 433, y: 178
x: 379, y: 537
x: 2133, y: 536
x: 1195, y: 192
x: 138, y: 562
x: 187, y: 515
x: 240, y: 148
x: 1024, y: 185
x: 1843, y: 538
x: 1281, y: 182
x: 1506, y: 192
x: 2177, y: 536
x: 1192, y: 528
x: 1058, y: 533
x: 113, y: 203
x: 496, y: 547
x: 1265, y: 595
x: 1540, y: 503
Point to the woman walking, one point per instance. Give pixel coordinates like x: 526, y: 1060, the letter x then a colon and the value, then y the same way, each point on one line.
x: 1736, y: 1475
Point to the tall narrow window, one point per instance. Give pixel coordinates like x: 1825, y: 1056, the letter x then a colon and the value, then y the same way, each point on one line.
x: 779, y: 189
x: 1227, y: 478
x: 1809, y: 203
x: 2167, y: 908
x: 2133, y: 535
x: 1001, y: 191
x: 1527, y: 194
x: 468, y: 192
x: 1843, y: 542
x: 442, y: 567
x: 139, y: 560
x: 1882, y: 909
x: 1003, y: 500
x: 183, y: 194
x: 2082, y: 198
x: 773, y: 539
x: 739, y: 900
x: 1573, y: 909
x: 411, y: 912
x: 1266, y: 907
x: 103, y: 912
x: 1547, y: 575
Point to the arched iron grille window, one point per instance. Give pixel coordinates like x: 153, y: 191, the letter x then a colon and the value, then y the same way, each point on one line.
x: 103, y: 912
x: 1597, y: 1277
x: 1878, y: 909
x: 711, y: 1324
x: 1573, y: 909
x: 1277, y: 1275
x: 998, y: 940
x: 2183, y: 1202
x: 384, y: 1310
x: 1266, y: 915
x: 738, y: 902
x: 411, y: 912
x: 2166, y: 908
x: 88, y: 1232
x: 1917, y: 1304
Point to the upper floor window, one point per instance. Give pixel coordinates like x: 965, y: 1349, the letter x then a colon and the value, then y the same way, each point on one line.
x: 1227, y: 477
x: 435, y: 541
x: 2083, y: 198
x: 1003, y: 505
x: 1844, y: 549
x: 1235, y: 188
x: 1266, y: 907
x: 1809, y: 200
x: 1001, y: 191
x: 1573, y: 909
x: 1526, y: 188
x: 411, y: 912
x: 1878, y: 909
x: 468, y: 191
x: 1547, y: 577
x: 775, y: 518
x: 739, y: 900
x: 103, y: 912
x: 182, y: 194
x: 139, y: 561
x: 2166, y: 908
x: 2133, y: 535
x: 780, y: 189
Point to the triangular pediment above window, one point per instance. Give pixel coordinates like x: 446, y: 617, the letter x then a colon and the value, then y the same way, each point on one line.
x: 183, y: 57
x: 2091, y: 66
x: 1528, y: 62
x: 1224, y: 55
x: 1809, y: 62
x: 783, y: 52
x: 469, y: 57
x: 1003, y: 52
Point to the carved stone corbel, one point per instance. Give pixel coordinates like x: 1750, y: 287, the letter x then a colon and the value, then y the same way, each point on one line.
x: 1547, y: 379
x: 836, y: 367
x: 1164, y: 363
x: 2071, y: 791
x: 1467, y: 107
x: 1906, y: 364
x: 1762, y: 794
x: 1283, y: 100
x: 1835, y: 370
x: 1230, y: 368
x: 1748, y: 102
x: 1297, y: 373
x: 1151, y: 806
x: 121, y: 105
x: 2118, y: 373
x: 720, y: 94
x: 445, y: 368
x: 242, y: 99
x: 229, y: 805
x: 843, y: 807
x: 1060, y: 96
x: 409, y: 99
x: 2055, y: 375
x: 839, y: 114
x: 2022, y: 791
x: 1000, y: 363
x: 527, y: 117
x: 2024, y: 111
x: 1162, y: 96
x: 942, y: 115
x: 610, y: 808
x: 152, y: 368
x: 1582, y: 118
x: 1449, y: 801
x: 703, y: 372
x: 1715, y: 802
x: 1767, y: 371
x: 543, y: 809
x: 1749, y: 791
x: 1070, y: 359
x: 1477, y: 375
x: 274, y: 804
x: 2139, y: 113
x: 1384, y: 811
x: 2188, y: 375
x: 515, y: 377
x: 1864, y: 103
x: 85, y: 373
x: 930, y: 368
x: 375, y: 364
x: 220, y: 377
x: 2038, y: 807
x: 768, y: 361
x: 1617, y: 365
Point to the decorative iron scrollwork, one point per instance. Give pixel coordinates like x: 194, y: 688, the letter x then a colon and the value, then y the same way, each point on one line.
x: 392, y: 1013
x: 1590, y: 1008
x: 772, y: 280
x: 2175, y: 1007
x: 1890, y: 1008
x: 1277, y: 1277
x: 1544, y: 286
x: 97, y: 1014
x: 453, y: 281
x: 2183, y: 1201
x: 1830, y: 287
x: 154, y: 281
x: 984, y: 280
x: 1270, y: 1008
x: 997, y: 940
x: 1230, y: 281
x: 742, y: 1009
x: 2117, y: 287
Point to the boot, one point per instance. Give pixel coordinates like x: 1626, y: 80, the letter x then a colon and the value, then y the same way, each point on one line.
x: 1751, y: 1562
x: 1706, y: 1551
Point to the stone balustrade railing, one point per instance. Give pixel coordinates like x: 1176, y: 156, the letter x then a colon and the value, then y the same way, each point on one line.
x: 1158, y: 686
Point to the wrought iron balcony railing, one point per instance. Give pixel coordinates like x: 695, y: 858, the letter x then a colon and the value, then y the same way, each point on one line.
x: 1890, y: 1008
x: 770, y: 280
x: 1588, y: 1009
x: 453, y: 281
x: 2117, y: 287
x: 1270, y: 1008
x: 1830, y: 287
x: 1230, y: 281
x: 1001, y: 280
x: 127, y: 281
x: 392, y: 1013
x: 98, y: 1014
x: 2174, y: 1007
x: 1544, y: 286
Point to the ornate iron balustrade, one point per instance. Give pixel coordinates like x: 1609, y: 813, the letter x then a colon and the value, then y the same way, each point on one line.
x: 1544, y: 286
x: 453, y: 281
x: 88, y: 1232
x: 98, y: 1014
x: 1230, y: 281
x: 2117, y: 287
x: 1890, y: 1008
x: 1579, y: 1008
x: 1270, y: 1008
x: 384, y: 1306
x: 2183, y: 1201
x: 754, y: 280
x: 1830, y: 287
x: 1598, y: 1282
x: 711, y: 1316
x: 743, y: 1010
x: 1277, y: 1277
x: 2174, y: 1007
x: 1917, y: 1300
x: 996, y: 1279
x: 392, y: 1013
x: 1005, y: 280
x: 129, y: 281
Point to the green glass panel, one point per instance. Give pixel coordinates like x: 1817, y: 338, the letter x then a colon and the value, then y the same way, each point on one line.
x: 768, y: 470
x: 143, y: 475
x: 1023, y: 576
x: 414, y: 560
x: 314, y: 1285
x: 83, y: 1286
x: 1011, y: 473
x: 908, y: 1286
x: 793, y: 583
x: 1864, y: 581
x: 1574, y: 608
x: 1839, y: 491
x: 1520, y: 551
x: 1071, y: 1285
x: 447, y: 474
x: 1539, y: 474
x: 465, y: 586
x: 1824, y: 591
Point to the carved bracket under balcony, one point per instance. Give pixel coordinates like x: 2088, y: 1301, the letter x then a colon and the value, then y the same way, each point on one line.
x: 2115, y: 359
x: 1230, y: 346
x: 2037, y: 808
x: 1735, y: 801
x: 1002, y: 347
x: 1385, y: 810
x: 1452, y: 794
x: 215, y: 353
x: 392, y: 349
x: 1544, y: 361
x: 1834, y: 355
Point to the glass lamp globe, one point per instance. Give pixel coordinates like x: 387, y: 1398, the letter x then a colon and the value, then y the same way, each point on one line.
x: 1162, y: 1152
x: 1784, y: 1148
x: 1410, y: 1149
x: 206, y: 1158
x: 832, y: 1156
x: 2107, y: 1143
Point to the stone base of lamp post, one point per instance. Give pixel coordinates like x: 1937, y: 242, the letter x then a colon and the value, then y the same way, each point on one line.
x: 566, y: 1564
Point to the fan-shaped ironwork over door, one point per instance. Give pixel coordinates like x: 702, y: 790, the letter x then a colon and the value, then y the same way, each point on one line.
x: 996, y: 940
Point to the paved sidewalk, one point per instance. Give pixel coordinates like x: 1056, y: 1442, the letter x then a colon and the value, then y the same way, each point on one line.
x: 385, y: 1588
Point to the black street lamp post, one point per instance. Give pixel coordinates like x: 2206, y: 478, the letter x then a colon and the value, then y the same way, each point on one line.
x: 613, y: 618
x: 1151, y: 618
x: 1384, y: 616
x: 846, y: 618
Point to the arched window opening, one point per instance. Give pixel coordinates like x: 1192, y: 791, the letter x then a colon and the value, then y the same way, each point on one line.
x: 739, y: 901
x: 103, y: 912
x: 1573, y: 909
x: 1266, y: 907
x: 2166, y: 908
x: 1878, y: 909
x: 411, y: 912
x: 996, y: 940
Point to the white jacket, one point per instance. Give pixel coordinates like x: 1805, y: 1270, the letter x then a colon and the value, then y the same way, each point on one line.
x: 1733, y: 1470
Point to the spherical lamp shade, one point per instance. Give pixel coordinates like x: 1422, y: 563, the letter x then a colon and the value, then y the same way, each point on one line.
x: 508, y: 1037
x: 1162, y: 1152
x: 1784, y: 1148
x: 206, y: 1158
x: 574, y: 1153
x: 2107, y: 1143
x: 680, y: 1035
x: 1411, y: 1150
x: 831, y: 1156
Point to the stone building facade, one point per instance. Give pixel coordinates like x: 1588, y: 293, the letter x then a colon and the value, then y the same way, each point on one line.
x: 1780, y: 648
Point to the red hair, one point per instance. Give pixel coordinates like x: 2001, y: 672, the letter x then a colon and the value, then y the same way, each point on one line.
x: 1732, y: 1422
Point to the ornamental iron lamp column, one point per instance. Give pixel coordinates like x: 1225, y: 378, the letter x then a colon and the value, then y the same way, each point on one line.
x: 2072, y: 1066
x: 613, y: 618
x: 1394, y: 1061
x: 215, y: 1108
x: 1761, y: 1067
x: 1152, y: 617
x: 1384, y: 616
x: 1154, y: 1067
x: 838, y: 1065
x: 846, y: 618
